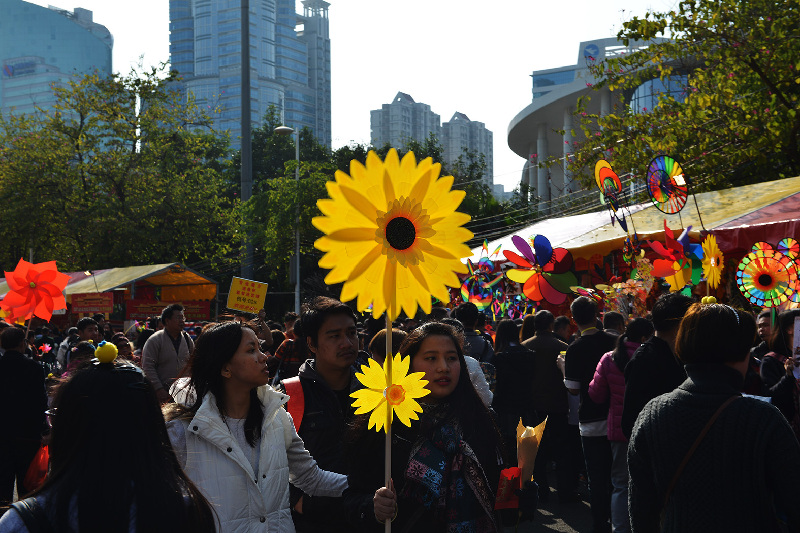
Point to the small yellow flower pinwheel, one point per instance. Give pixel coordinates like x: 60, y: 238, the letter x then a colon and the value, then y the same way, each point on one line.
x: 398, y: 393
x: 712, y: 261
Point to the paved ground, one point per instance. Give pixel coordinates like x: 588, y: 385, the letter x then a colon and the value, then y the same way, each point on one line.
x: 554, y: 516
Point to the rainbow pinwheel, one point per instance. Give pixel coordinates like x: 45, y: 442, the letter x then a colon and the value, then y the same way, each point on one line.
x: 479, y: 283
x: 545, y: 271
x: 611, y: 187
x: 767, y: 277
x: 790, y: 248
x: 666, y: 184
x: 712, y: 261
x: 674, y: 266
x: 36, y: 289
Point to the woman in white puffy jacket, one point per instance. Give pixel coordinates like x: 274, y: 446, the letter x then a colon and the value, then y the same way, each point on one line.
x: 235, y: 440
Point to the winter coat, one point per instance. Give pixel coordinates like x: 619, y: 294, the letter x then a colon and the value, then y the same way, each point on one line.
x: 608, y: 384
x: 215, y: 462
x: 547, y: 387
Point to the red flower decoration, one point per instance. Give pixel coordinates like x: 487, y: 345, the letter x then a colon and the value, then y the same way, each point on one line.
x: 36, y: 289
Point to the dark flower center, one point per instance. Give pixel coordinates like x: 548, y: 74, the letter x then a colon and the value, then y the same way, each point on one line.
x: 400, y: 233
x: 765, y: 280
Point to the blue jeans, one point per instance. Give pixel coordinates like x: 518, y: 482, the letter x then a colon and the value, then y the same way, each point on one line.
x: 597, y: 452
x: 620, y: 519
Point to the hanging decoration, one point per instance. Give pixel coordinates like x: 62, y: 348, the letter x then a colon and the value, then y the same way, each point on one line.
x: 766, y: 277
x: 712, y: 261
x: 611, y: 189
x: 545, y: 272
x: 35, y: 290
x: 478, y: 287
x: 666, y: 184
x: 674, y: 266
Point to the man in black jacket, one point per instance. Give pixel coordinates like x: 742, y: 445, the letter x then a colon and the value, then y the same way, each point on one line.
x: 325, y: 385
x: 581, y: 361
x: 654, y: 370
x: 23, y: 401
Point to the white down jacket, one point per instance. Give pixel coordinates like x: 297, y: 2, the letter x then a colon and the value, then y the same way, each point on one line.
x: 247, y: 501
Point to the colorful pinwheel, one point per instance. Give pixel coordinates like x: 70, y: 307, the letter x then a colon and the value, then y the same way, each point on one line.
x: 673, y: 266
x: 712, y: 261
x: 611, y: 188
x: 478, y: 287
x: 545, y: 271
x: 666, y: 184
x: 36, y: 289
x: 766, y: 277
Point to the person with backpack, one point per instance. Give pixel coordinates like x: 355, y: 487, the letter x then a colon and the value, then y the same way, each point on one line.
x: 320, y: 404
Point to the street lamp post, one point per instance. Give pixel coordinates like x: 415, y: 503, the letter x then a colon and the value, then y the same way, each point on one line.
x: 286, y: 130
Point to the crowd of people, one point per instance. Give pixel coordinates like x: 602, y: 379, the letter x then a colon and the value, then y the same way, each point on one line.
x: 686, y: 420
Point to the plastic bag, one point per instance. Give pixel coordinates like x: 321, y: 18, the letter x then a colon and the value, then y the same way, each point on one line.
x: 37, y: 471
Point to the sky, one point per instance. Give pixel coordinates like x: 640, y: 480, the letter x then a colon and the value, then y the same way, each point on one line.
x: 470, y: 56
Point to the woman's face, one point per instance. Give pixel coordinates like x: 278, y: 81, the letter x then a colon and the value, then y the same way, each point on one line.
x: 248, y: 366
x: 438, y: 358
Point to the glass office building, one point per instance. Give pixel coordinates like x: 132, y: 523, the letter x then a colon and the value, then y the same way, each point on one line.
x: 289, y: 61
x: 44, y: 47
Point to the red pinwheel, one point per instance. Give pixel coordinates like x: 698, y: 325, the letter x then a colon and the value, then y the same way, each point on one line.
x: 674, y: 261
x: 545, y: 270
x: 36, y: 289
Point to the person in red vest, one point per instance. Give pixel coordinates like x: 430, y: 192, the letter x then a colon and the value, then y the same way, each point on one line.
x: 321, y: 406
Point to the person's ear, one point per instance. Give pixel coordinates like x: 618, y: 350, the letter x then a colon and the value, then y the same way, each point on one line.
x: 226, y: 371
x: 311, y: 347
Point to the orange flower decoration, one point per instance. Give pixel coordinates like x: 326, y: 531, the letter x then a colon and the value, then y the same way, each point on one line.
x: 36, y: 289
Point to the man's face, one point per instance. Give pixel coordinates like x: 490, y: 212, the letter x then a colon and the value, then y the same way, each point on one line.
x: 764, y: 328
x: 174, y: 325
x: 90, y: 333
x: 337, y: 342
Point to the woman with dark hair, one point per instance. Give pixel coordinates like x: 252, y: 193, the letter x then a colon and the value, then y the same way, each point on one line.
x: 235, y: 440
x: 527, y: 330
x: 780, y: 344
x: 138, y: 344
x: 513, y: 396
x: 446, y: 466
x: 704, y: 458
x: 608, y: 385
x: 93, y: 485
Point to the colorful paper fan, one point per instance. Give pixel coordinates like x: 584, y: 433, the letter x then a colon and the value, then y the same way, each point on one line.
x: 712, y: 261
x: 789, y: 247
x: 762, y: 247
x: 673, y: 266
x: 766, y: 277
x: 478, y: 286
x: 545, y: 271
x: 666, y: 184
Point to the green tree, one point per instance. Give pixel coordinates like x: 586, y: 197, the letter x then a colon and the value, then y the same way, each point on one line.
x: 120, y: 172
x: 737, y: 119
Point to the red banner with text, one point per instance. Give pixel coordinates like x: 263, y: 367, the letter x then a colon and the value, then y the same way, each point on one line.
x: 142, y: 309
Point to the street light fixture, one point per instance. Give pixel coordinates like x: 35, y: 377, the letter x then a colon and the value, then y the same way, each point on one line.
x: 286, y: 130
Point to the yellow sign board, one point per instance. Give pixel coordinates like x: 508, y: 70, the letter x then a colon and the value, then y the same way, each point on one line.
x: 246, y: 295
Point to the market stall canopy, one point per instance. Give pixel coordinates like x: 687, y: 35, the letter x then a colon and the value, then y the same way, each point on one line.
x: 557, y: 231
x: 738, y: 216
x: 177, y: 282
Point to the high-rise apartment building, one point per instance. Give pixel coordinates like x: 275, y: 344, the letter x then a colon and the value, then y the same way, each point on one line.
x: 290, y: 61
x: 404, y: 119
x: 461, y: 134
x: 44, y: 47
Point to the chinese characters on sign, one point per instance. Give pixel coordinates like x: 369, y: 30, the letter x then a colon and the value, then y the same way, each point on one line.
x: 246, y: 295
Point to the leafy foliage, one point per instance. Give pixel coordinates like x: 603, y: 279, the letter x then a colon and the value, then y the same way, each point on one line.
x: 736, y: 120
x: 120, y: 172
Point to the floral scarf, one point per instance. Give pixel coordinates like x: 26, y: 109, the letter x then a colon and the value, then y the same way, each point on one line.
x: 444, y: 475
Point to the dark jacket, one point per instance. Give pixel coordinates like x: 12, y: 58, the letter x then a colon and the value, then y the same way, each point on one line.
x: 322, y: 430
x: 760, y: 351
x: 513, y: 391
x: 582, y: 358
x: 772, y: 369
x: 653, y: 370
x: 23, y: 398
x: 747, y: 465
x: 478, y: 347
x: 549, y: 393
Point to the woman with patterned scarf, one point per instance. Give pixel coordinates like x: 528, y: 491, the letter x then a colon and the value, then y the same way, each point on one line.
x: 446, y: 466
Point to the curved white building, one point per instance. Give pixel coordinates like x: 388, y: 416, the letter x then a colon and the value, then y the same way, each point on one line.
x: 534, y: 134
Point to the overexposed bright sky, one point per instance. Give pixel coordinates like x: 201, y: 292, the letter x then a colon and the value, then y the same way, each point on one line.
x: 470, y: 56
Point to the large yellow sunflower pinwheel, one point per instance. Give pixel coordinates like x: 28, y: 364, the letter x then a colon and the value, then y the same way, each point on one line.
x: 392, y: 234
x: 397, y: 394
x: 712, y: 261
